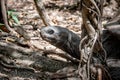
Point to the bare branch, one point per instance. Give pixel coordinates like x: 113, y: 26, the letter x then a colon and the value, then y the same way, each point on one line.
x: 5, y: 18
x: 91, y: 48
x: 41, y: 10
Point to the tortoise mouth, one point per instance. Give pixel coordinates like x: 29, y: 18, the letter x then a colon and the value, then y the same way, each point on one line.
x: 47, y: 38
x: 48, y: 34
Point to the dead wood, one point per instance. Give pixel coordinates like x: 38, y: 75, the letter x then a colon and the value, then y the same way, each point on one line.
x: 92, y: 52
x: 69, y: 58
x: 3, y: 4
x: 41, y: 10
x: 13, y: 57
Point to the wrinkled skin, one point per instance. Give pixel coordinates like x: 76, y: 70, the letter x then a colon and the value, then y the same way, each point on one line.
x: 69, y: 42
x: 112, y: 46
x: 63, y: 39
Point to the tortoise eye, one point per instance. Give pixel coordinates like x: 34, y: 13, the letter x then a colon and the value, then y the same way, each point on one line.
x: 50, y: 31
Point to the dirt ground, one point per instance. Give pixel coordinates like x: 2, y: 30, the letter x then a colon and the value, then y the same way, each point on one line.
x: 61, y: 13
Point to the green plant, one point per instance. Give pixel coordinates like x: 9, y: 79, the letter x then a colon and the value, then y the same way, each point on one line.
x: 13, y: 16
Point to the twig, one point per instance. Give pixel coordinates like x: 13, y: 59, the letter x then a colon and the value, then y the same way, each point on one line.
x: 91, y: 28
x: 5, y: 18
x: 91, y: 54
x: 41, y: 10
x: 62, y: 75
x: 74, y: 60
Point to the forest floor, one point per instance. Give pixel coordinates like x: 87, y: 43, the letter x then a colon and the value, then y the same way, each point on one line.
x: 28, y: 17
x: 61, y: 13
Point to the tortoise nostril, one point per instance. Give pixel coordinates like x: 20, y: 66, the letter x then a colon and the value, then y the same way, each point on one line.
x: 50, y: 31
